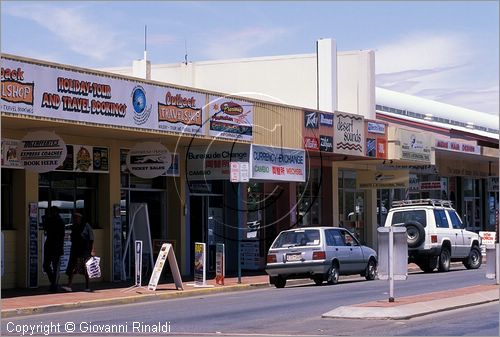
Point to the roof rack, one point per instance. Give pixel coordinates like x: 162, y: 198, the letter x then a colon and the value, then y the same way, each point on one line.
x: 427, y: 202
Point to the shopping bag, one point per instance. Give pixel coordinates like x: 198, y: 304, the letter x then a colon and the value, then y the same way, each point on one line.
x: 93, y: 268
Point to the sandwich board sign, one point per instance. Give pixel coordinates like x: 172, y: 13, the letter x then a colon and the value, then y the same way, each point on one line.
x: 166, y: 252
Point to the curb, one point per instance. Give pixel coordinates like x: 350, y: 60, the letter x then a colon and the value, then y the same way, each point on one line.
x: 407, y: 311
x: 127, y: 300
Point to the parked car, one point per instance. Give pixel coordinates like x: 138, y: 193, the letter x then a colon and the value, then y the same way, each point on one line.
x: 435, y: 234
x: 319, y: 253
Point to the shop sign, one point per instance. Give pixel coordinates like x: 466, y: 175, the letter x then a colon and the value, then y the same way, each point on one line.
x: 326, y: 119
x: 311, y: 143
x: 277, y: 164
x: 492, y: 184
x: 414, y: 184
x: 200, y: 270
x: 230, y: 118
x: 349, y: 134
x: 52, y: 92
x: 415, y: 146
x: 213, y: 163
x: 457, y: 146
x: 42, y: 151
x: 371, y: 147
x: 10, y: 153
x: 430, y: 185
x: 381, y: 148
x: 376, y: 128
x: 488, y: 239
x: 382, y: 179
x: 326, y: 143
x: 148, y: 160
x: 311, y: 120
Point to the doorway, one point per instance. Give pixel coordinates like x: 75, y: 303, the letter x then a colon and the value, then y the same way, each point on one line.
x: 472, y: 214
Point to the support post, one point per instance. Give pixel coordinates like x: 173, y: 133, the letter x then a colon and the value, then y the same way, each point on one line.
x: 391, y: 265
x: 238, y: 198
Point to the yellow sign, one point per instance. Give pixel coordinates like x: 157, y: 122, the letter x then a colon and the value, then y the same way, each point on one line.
x: 383, y: 179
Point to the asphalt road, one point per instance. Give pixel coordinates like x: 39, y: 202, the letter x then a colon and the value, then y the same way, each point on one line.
x: 295, y: 310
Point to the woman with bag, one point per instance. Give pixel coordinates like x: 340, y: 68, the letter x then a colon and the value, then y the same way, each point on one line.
x: 82, y: 248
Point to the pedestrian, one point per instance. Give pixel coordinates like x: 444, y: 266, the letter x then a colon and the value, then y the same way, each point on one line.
x: 54, y: 245
x: 82, y: 248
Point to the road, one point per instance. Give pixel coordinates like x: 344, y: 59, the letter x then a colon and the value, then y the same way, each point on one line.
x: 295, y: 310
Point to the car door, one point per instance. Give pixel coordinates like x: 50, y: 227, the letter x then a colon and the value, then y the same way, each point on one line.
x: 463, y: 242
x: 337, y: 248
x: 355, y: 253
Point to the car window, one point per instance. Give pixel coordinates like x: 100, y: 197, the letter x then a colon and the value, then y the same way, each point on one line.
x: 455, y: 220
x: 349, y: 239
x: 329, y: 236
x: 308, y: 237
x: 440, y: 217
x: 401, y: 217
x: 339, y: 239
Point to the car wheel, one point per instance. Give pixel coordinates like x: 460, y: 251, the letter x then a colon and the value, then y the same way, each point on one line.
x: 474, y: 260
x: 333, y: 274
x: 428, y: 264
x: 444, y: 259
x: 415, y: 233
x: 280, y: 282
x: 318, y: 279
x: 371, y: 270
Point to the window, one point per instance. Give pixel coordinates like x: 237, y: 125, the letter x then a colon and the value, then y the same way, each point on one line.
x: 440, y: 217
x: 455, y: 220
x: 405, y: 216
x: 7, y: 199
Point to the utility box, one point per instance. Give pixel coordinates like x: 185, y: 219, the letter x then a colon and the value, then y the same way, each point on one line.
x: 399, y: 258
x: 492, y: 262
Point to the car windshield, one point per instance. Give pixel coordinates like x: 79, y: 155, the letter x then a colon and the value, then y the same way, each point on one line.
x: 302, y: 237
x: 410, y: 215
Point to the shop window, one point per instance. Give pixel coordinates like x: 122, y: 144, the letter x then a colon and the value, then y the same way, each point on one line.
x: 68, y: 191
x: 7, y: 199
x: 309, y: 200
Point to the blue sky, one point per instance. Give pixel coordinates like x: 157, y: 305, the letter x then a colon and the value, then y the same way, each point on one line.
x: 442, y: 50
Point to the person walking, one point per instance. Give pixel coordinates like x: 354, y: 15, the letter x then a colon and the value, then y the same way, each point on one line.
x: 54, y: 246
x: 82, y: 243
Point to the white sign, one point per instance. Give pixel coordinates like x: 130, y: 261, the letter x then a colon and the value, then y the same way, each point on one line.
x: 457, y: 146
x: 213, y: 163
x: 376, y: 128
x: 138, y: 263
x: 42, y: 151
x: 415, y: 146
x: 10, y: 153
x: 239, y: 172
x: 148, y: 160
x: 278, y: 164
x: 349, y: 134
x: 230, y: 118
x: 488, y: 239
x: 48, y: 91
x: 166, y: 252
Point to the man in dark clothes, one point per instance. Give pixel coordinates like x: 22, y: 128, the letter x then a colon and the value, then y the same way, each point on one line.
x: 82, y: 244
x: 54, y: 246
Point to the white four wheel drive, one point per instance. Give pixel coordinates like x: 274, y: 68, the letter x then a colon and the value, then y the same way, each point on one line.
x: 436, y: 235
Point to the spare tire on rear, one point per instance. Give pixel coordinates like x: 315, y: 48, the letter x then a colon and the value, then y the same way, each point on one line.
x: 415, y: 233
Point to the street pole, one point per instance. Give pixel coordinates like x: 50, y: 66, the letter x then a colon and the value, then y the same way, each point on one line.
x: 391, y: 265
x: 238, y: 198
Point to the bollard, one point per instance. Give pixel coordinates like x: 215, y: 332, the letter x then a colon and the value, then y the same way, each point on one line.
x: 492, y: 262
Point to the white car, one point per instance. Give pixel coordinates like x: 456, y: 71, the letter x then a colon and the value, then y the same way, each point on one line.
x: 436, y: 235
x: 319, y: 253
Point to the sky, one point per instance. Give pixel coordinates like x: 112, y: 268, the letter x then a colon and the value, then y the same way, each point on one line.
x: 446, y: 51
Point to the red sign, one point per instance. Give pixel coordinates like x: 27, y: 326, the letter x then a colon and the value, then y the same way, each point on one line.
x: 430, y: 185
x: 382, y: 148
x: 311, y: 143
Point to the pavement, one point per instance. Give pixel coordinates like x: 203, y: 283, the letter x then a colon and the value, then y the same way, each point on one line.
x: 20, y: 302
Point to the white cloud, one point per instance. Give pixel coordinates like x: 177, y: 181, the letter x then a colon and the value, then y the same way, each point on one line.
x: 441, y: 67
x: 73, y: 27
x: 240, y: 43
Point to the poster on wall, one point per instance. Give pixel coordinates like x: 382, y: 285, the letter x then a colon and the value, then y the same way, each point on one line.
x: 349, y: 134
x: 148, y: 160
x: 230, y: 118
x: 33, y: 245
x: 42, y: 151
x: 10, y: 153
x: 277, y: 163
x: 200, y: 264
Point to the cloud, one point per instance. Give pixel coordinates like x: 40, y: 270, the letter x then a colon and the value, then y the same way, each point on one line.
x: 240, y: 43
x: 437, y: 66
x: 73, y: 27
